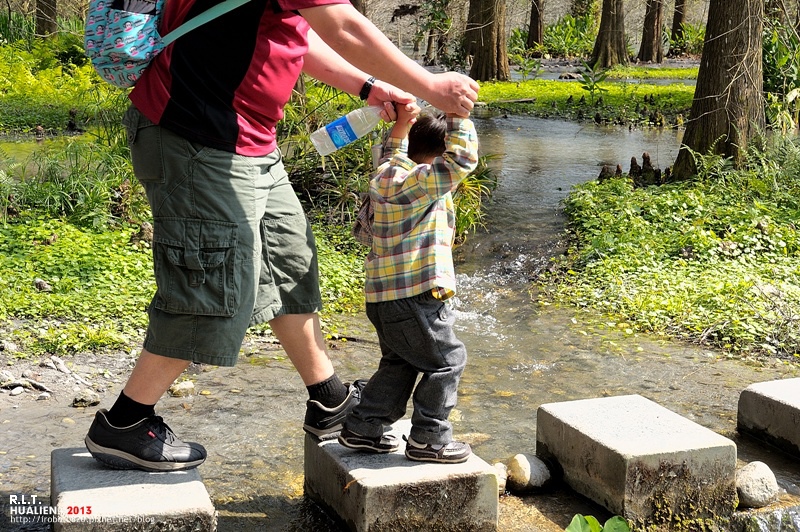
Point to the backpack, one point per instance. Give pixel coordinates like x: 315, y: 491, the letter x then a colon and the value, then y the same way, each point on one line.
x: 362, y: 227
x: 121, y: 36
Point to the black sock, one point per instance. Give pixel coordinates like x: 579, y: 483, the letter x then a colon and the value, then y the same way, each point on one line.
x: 330, y: 392
x: 127, y: 412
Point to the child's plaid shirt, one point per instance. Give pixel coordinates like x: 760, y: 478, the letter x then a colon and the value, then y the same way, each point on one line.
x: 414, y: 224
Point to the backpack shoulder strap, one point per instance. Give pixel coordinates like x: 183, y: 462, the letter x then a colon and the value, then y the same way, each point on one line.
x: 206, y: 16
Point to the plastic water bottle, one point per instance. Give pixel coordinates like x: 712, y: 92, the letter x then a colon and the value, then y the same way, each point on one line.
x: 346, y: 129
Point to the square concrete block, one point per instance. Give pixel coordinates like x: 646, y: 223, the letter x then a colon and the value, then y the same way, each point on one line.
x: 90, y: 497
x: 639, y: 460
x: 387, y: 492
x: 770, y: 411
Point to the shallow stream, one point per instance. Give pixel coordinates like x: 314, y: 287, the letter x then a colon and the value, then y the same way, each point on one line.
x: 521, y: 355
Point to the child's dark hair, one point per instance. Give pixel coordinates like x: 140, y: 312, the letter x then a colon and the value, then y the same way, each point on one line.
x: 426, y: 136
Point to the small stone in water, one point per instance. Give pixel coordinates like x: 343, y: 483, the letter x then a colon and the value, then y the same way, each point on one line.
x: 182, y: 389
x: 86, y: 397
x: 18, y: 390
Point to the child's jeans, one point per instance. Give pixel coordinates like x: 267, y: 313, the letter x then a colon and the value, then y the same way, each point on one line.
x: 416, y: 336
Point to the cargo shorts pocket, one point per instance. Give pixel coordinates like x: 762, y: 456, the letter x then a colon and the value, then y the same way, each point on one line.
x: 194, y: 266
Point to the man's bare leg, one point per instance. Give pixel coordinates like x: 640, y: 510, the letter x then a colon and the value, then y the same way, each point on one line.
x: 301, y: 337
x: 152, y: 376
x: 329, y: 400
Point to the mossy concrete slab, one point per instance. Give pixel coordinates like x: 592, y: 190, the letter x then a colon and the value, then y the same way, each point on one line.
x: 92, y: 498
x: 389, y: 493
x: 640, y: 460
x: 770, y: 411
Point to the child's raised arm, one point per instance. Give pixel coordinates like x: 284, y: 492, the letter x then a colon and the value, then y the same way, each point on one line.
x: 406, y: 116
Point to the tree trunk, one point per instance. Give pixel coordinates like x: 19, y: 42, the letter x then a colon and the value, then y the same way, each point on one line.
x: 46, y: 17
x: 728, y: 108
x: 430, y: 51
x: 472, y: 29
x: 536, y: 28
x: 676, y: 37
x: 491, y: 54
x: 652, y: 47
x: 610, y: 47
x: 441, y: 46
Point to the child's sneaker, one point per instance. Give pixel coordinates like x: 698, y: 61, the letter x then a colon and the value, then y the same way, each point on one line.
x: 385, y: 443
x: 454, y: 452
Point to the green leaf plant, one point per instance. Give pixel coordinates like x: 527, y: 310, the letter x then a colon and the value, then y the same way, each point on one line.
x: 588, y: 523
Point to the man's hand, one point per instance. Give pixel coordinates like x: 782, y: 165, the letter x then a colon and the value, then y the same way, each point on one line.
x: 389, y: 97
x: 453, y: 93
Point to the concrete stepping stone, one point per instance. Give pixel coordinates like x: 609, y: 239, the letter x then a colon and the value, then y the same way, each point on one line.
x: 388, y: 492
x: 770, y: 411
x: 639, y: 459
x: 89, y: 496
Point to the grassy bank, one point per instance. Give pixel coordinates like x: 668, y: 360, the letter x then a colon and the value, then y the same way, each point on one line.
x: 715, y: 260
x: 618, y: 102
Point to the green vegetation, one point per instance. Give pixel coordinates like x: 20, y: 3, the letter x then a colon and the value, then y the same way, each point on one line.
x: 589, y: 523
x: 621, y: 102
x: 714, y: 260
x: 638, y: 73
x: 781, y: 46
x: 692, y: 41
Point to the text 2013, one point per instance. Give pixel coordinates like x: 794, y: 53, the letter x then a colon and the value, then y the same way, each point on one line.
x: 79, y: 510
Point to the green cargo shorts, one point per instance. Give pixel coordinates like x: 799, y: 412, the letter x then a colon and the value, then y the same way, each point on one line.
x: 232, y: 246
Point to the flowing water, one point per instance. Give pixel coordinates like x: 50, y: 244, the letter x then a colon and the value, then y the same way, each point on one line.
x: 521, y: 355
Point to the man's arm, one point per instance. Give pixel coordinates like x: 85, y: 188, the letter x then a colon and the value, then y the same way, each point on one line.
x: 359, y: 42
x: 323, y: 63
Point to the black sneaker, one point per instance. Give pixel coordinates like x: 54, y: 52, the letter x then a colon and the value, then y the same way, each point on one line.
x: 322, y: 421
x: 149, y: 445
x: 454, y: 452
x: 386, y: 443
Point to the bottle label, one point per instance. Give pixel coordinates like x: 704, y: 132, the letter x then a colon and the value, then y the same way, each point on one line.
x: 340, y: 132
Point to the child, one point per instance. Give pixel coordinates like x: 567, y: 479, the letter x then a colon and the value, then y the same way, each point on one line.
x: 409, y: 275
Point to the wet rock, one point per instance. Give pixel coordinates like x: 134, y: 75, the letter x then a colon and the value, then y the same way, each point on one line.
x: 48, y: 364
x: 526, y: 473
x: 16, y: 391
x: 60, y: 366
x: 144, y: 236
x: 44, y: 396
x: 42, y: 285
x: 182, y: 389
x: 756, y: 485
x: 86, y: 397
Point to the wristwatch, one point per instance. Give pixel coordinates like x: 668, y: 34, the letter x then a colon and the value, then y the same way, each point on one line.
x: 366, y: 88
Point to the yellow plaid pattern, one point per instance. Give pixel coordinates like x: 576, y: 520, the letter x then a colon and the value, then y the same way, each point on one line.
x: 414, y: 217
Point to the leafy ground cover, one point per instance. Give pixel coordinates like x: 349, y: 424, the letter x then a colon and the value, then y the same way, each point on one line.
x: 714, y: 260
x: 67, y: 289
x: 627, y: 103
